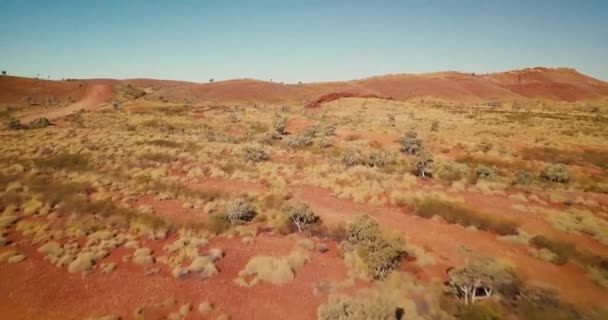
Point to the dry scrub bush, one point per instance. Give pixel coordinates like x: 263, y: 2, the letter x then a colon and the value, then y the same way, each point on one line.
x: 453, y: 171
x: 276, y: 270
x: 298, y: 141
x: 352, y: 158
x: 485, y: 173
x: 240, y: 211
x: 410, y: 143
x: 255, y: 154
x: 380, y: 159
x: 347, y: 308
x: 456, y: 213
x: 555, y: 173
x: 278, y: 125
x: 577, y: 221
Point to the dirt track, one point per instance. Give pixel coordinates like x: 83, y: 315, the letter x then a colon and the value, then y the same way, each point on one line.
x: 95, y: 96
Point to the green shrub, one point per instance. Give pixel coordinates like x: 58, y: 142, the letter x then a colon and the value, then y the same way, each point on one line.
x: 14, y: 124
x: 39, y: 123
x: 555, y: 173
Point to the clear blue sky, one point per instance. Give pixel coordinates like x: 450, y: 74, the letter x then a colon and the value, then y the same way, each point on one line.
x: 305, y: 40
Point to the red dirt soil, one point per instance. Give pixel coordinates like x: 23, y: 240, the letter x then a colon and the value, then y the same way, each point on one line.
x: 14, y: 90
x: 539, y: 83
x: 35, y: 289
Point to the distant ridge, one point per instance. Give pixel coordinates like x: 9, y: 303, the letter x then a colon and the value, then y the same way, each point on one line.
x: 554, y: 84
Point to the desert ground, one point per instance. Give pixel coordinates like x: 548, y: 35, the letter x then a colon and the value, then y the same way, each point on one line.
x: 423, y: 196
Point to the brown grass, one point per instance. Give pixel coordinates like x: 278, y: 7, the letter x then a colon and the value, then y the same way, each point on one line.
x: 598, y: 158
x: 458, y: 214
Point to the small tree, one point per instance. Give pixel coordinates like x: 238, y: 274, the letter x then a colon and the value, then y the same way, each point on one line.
x: 211, y: 80
x: 3, y: 72
x: 423, y: 164
x: 239, y: 211
x: 301, y: 215
x: 479, y: 279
